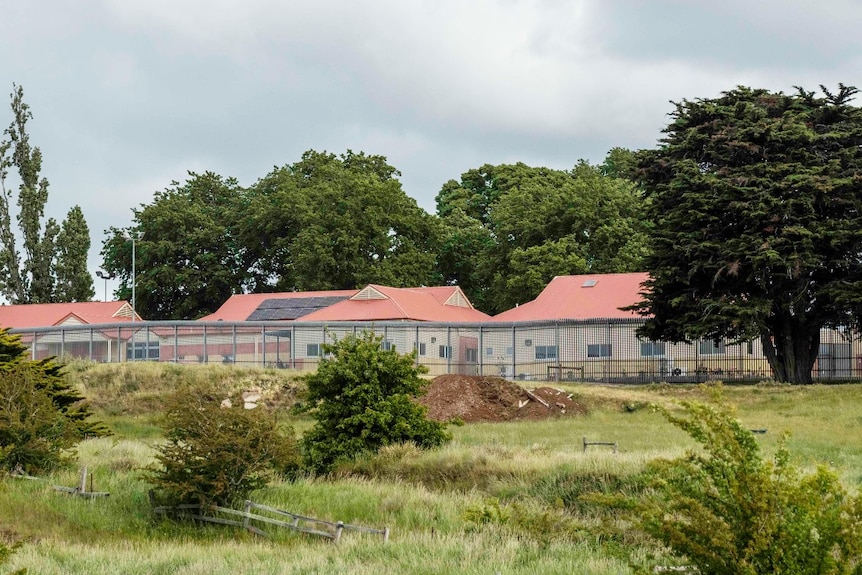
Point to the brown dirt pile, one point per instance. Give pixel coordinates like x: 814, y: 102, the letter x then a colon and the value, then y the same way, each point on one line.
x: 478, y: 398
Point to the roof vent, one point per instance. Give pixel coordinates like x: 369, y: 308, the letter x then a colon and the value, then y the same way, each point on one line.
x: 590, y: 283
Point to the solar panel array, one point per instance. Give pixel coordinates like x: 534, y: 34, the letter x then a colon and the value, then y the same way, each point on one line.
x: 291, y: 308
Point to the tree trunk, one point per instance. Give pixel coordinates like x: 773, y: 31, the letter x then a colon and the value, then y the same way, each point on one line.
x: 791, y: 350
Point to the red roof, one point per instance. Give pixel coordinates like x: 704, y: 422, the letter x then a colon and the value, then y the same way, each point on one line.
x: 597, y: 296
x: 240, y: 306
x: 52, y: 314
x: 381, y: 303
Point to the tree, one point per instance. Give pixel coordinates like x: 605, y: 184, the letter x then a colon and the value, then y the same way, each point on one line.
x: 216, y: 454
x: 41, y: 416
x: 363, y: 397
x: 74, y: 282
x: 510, y: 229
x: 34, y: 279
x: 337, y: 222
x: 187, y: 258
x: 756, y: 199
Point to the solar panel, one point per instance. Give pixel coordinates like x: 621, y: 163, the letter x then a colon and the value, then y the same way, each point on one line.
x: 291, y: 308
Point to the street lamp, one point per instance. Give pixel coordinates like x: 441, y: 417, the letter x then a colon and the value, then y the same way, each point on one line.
x: 105, y: 276
x: 134, y: 275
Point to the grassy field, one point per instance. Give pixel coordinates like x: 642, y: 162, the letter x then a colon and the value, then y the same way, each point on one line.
x: 501, y: 498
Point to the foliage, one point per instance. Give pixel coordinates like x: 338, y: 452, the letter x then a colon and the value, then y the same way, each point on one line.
x: 364, y: 399
x: 509, y: 229
x: 729, y: 511
x: 74, y: 282
x: 217, y: 454
x: 336, y: 222
x: 41, y: 414
x: 187, y: 259
x: 757, y: 206
x: 33, y: 280
x: 35, y: 436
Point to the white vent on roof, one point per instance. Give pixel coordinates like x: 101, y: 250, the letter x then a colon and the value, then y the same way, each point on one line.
x: 368, y: 292
x: 590, y: 283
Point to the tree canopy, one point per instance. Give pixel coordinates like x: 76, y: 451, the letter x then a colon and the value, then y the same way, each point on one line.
x: 51, y: 271
x: 509, y: 229
x: 756, y: 199
x: 187, y: 259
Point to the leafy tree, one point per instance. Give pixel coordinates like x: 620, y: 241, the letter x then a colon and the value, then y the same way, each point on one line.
x: 217, y: 454
x: 757, y: 206
x: 33, y: 280
x: 728, y: 511
x: 363, y: 398
x: 187, y: 258
x: 510, y: 229
x: 337, y: 222
x: 74, y: 282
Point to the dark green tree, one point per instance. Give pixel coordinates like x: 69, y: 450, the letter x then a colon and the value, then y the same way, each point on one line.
x: 364, y: 397
x: 217, y: 454
x: 337, y: 222
x: 510, y: 229
x: 74, y: 282
x: 187, y: 258
x: 756, y: 199
x: 30, y: 281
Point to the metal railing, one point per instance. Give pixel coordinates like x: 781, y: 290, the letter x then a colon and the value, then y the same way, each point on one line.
x: 565, y: 350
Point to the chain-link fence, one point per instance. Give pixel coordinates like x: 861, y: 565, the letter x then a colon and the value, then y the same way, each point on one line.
x: 595, y: 350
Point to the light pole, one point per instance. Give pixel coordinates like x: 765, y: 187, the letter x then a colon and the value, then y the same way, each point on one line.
x: 131, y: 237
x: 105, y: 276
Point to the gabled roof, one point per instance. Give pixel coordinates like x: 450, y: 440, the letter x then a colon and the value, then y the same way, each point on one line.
x: 597, y: 296
x: 381, y: 303
x: 53, y: 314
x: 241, y: 307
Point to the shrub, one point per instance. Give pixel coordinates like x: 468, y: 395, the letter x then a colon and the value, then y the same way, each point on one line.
x: 362, y: 398
x: 730, y: 511
x: 217, y: 455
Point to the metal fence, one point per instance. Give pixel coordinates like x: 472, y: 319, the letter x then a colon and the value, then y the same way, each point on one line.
x: 594, y: 350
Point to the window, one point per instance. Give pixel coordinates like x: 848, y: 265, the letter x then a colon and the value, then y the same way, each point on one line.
x: 143, y: 350
x: 598, y: 350
x: 421, y: 347
x: 489, y: 351
x: 509, y: 351
x: 546, y: 352
x: 386, y: 345
x: 446, y: 351
x: 652, y: 348
x: 710, y: 347
x: 312, y: 349
x: 528, y: 342
x: 471, y: 355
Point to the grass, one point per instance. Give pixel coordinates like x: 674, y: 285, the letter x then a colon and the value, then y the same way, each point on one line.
x: 500, y: 497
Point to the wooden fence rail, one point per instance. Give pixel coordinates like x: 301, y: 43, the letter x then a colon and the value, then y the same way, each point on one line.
x: 331, y: 530
x: 612, y: 444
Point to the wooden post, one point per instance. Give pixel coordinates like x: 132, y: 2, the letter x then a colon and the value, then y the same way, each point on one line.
x: 247, y: 511
x: 585, y: 444
x: 339, y: 527
x: 82, y: 487
x: 385, y: 534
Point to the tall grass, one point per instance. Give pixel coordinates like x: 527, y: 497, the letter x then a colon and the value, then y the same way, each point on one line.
x: 503, y: 497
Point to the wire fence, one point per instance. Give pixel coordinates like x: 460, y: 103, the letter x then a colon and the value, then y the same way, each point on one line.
x: 594, y: 350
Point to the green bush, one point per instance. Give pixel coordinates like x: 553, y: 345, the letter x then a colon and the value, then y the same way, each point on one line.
x: 217, y: 455
x: 362, y: 398
x: 729, y: 511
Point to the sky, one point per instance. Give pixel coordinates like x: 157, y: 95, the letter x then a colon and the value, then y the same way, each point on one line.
x: 128, y: 96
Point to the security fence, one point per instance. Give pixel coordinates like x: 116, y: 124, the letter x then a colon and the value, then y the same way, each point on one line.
x: 588, y: 351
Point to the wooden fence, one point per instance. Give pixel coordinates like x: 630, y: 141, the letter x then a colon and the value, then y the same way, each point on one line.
x: 250, y: 516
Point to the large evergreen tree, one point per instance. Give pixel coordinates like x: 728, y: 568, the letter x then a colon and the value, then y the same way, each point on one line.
x: 756, y: 198
x: 34, y: 279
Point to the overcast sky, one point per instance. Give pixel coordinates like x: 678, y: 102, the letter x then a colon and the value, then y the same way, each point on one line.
x: 129, y: 95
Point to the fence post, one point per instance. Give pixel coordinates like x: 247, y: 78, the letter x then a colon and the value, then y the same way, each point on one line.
x: 247, y: 511
x: 339, y: 527
x: 385, y: 534
x: 82, y: 487
x: 481, y: 352
x: 176, y: 344
x: 514, y: 351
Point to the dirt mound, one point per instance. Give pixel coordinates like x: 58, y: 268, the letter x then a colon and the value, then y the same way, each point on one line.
x: 477, y: 398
